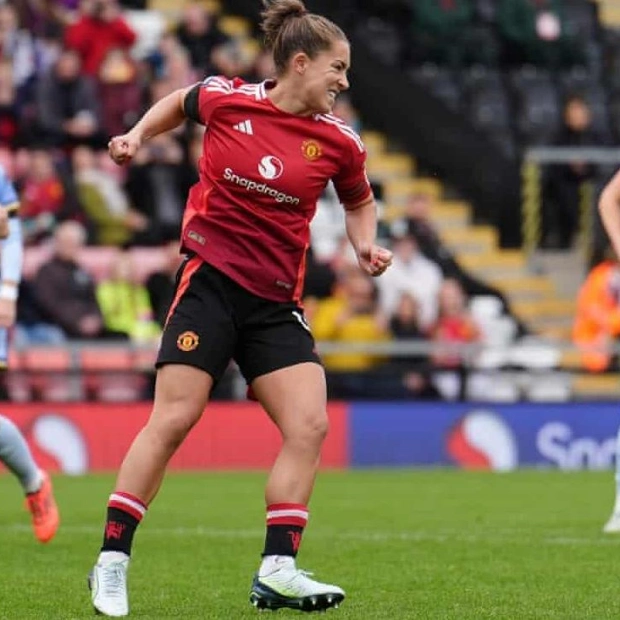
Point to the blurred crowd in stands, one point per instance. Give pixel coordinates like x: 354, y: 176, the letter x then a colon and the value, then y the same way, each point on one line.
x: 526, y: 73
x: 103, y: 240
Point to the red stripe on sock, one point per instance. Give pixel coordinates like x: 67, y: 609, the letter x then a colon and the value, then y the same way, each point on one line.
x: 125, y: 508
x: 287, y: 507
x: 288, y: 521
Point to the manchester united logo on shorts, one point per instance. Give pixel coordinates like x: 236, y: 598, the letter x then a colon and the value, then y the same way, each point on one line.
x: 188, y: 341
x: 311, y: 150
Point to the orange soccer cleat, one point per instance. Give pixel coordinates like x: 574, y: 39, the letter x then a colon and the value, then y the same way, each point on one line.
x: 44, y: 511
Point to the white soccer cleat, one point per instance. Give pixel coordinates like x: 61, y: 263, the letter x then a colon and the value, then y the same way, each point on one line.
x: 108, y: 584
x: 290, y: 587
x: 613, y: 525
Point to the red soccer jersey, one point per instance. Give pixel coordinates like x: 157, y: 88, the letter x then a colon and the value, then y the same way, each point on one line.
x: 261, y: 173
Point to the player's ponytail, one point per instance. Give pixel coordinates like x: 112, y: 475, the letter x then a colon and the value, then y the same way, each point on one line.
x: 290, y: 28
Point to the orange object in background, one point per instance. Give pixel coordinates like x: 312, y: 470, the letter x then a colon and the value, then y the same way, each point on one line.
x: 597, y: 321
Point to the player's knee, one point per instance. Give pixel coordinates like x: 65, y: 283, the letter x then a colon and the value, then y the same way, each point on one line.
x: 313, y: 428
x: 173, y: 427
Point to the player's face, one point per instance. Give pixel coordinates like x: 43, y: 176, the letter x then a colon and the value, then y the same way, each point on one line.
x: 325, y: 76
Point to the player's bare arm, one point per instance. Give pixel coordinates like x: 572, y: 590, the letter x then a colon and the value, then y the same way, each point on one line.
x: 609, y: 208
x: 163, y: 116
x: 361, y: 225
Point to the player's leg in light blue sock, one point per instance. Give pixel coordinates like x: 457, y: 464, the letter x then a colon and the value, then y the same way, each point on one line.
x: 16, y: 455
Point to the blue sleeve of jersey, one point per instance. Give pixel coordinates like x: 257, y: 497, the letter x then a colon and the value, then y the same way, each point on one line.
x: 12, y: 254
x: 8, y: 195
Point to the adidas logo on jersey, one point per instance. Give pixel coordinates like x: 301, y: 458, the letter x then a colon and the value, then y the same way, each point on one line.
x: 244, y: 127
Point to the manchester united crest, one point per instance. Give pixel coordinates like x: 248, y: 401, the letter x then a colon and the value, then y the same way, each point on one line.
x: 188, y: 341
x: 311, y: 150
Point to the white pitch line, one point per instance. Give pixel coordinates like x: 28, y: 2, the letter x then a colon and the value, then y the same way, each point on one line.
x: 440, y: 536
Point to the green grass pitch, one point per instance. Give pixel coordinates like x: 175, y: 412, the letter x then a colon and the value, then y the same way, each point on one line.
x: 403, y: 544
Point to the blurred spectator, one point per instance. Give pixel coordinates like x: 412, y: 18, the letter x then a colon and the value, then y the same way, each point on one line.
x: 411, y: 272
x: 263, y: 67
x: 178, y: 70
x: 67, y: 104
x: 33, y: 327
x: 125, y: 304
x: 161, y: 284
x: 597, y: 320
x: 66, y: 292
x: 563, y: 181
x: 157, y: 184
x: 351, y: 315
x: 119, y: 93
x: 104, y: 201
x: 9, y: 110
x: 454, y: 324
x: 535, y: 33
x: 417, y: 220
x: 43, y: 197
x: 405, y: 322
x: 42, y: 17
x: 414, y: 368
x: 327, y: 226
x: 199, y: 34
x: 443, y: 32
x: 99, y: 29
x: 17, y: 45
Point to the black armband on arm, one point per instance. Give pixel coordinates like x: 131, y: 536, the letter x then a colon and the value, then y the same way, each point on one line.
x: 190, y: 104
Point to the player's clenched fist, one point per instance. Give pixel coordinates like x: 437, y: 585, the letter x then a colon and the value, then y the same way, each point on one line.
x: 374, y: 260
x: 123, y: 148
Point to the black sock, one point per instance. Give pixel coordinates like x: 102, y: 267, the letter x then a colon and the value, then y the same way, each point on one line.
x: 285, y: 526
x: 123, y: 517
x: 283, y: 540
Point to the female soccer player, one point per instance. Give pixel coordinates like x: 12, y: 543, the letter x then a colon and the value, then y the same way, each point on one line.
x: 269, y: 151
x: 14, y: 451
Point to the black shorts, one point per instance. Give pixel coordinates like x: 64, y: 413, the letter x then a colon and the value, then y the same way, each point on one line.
x: 213, y: 320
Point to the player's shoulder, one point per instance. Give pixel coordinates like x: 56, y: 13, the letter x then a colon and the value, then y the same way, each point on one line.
x: 232, y: 87
x: 347, y: 134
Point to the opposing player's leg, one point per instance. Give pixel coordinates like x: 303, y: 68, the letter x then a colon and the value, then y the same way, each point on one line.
x: 16, y: 455
x: 295, y: 399
x: 613, y: 524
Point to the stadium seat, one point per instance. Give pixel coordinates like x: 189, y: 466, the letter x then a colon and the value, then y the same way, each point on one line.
x: 538, y: 110
x: 488, y: 106
x: 17, y: 382
x: 486, y: 10
x: 51, y: 374
x: 383, y: 39
x: 109, y: 373
x: 440, y: 82
x: 581, y: 19
x: 144, y: 358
